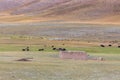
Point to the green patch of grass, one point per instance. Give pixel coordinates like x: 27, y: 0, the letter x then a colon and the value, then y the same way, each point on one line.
x: 10, y: 48
x: 106, y: 50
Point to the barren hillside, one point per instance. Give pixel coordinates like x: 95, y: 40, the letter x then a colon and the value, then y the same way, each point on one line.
x: 107, y: 11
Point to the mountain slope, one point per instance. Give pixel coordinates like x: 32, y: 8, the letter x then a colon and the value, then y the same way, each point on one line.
x: 68, y: 10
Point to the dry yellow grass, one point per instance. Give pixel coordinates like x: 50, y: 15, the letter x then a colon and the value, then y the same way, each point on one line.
x: 38, y: 41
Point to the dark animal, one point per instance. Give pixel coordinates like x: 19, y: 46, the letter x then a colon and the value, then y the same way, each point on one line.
x: 59, y: 49
x: 26, y: 49
x: 54, y: 49
x: 62, y: 49
x: 109, y: 45
x: 102, y: 45
x: 118, y: 46
x: 23, y: 49
x: 40, y: 49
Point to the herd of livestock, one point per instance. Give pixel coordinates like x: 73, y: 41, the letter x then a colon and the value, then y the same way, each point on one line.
x: 42, y: 49
x: 108, y: 45
x: 62, y: 49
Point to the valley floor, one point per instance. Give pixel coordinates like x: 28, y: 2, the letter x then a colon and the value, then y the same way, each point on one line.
x: 48, y: 66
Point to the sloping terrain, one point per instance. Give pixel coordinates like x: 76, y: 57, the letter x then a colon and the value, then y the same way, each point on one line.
x: 66, y: 10
x: 63, y: 31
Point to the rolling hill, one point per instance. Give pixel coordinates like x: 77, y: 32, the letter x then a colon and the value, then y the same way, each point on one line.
x: 91, y: 11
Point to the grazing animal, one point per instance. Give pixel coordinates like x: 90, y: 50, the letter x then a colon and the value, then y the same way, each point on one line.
x: 26, y: 49
x: 118, y: 46
x: 59, y: 49
x: 109, y: 45
x: 40, y: 49
x: 102, y: 45
x: 54, y: 49
x: 23, y: 49
x: 64, y: 49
